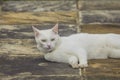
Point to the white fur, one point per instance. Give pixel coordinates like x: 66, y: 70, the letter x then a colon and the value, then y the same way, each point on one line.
x: 78, y: 48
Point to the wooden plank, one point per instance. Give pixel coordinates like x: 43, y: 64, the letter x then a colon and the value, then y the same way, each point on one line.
x: 37, y: 17
x: 102, y: 16
x: 39, y: 5
x: 26, y: 32
x: 59, y: 5
x: 101, y: 28
x: 99, y: 4
x: 18, y: 47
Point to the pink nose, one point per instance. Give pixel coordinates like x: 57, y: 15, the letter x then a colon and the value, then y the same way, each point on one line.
x: 49, y: 47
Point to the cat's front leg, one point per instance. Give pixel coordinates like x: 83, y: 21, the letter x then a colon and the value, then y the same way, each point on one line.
x: 82, y: 56
x: 57, y: 57
x: 65, y: 58
x: 73, y: 61
x: 49, y: 57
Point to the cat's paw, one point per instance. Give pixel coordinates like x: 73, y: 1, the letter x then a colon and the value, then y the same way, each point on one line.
x: 75, y: 65
x: 73, y: 61
x: 83, y: 65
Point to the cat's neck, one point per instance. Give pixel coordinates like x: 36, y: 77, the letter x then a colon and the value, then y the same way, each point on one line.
x: 58, y: 42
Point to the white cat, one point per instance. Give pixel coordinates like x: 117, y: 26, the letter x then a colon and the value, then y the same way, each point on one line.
x: 78, y: 48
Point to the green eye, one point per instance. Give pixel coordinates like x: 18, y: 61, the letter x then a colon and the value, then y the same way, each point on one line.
x: 43, y: 40
x: 52, y: 39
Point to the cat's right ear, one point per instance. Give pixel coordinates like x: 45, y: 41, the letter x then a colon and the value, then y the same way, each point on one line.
x: 36, y: 31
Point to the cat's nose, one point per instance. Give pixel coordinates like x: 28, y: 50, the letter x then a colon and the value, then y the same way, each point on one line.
x: 49, y: 46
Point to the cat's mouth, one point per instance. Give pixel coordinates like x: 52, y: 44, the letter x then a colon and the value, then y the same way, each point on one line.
x: 49, y: 49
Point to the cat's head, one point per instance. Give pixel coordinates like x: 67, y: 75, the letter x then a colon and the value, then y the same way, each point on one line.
x: 47, y: 40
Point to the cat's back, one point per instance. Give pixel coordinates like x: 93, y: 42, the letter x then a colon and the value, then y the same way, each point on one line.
x: 88, y: 38
x: 75, y: 38
x: 84, y: 39
x: 80, y: 36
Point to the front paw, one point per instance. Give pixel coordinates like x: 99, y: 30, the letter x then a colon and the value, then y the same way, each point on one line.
x: 83, y: 65
x: 75, y: 65
x: 73, y: 61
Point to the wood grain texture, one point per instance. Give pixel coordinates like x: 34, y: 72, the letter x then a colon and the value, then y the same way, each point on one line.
x: 101, y: 17
x: 34, y: 18
x: 101, y: 28
x: 18, y: 47
x: 39, y: 5
x: 25, y: 31
x: 99, y: 4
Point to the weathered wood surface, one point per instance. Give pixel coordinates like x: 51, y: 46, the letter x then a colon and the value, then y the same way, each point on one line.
x: 59, y: 5
x: 36, y: 18
x: 99, y: 11
x: 39, y: 5
x: 99, y: 4
x: 18, y: 47
x: 38, y: 69
x: 101, y: 17
x: 88, y: 17
x: 101, y: 28
x: 25, y: 31
x: 94, y: 11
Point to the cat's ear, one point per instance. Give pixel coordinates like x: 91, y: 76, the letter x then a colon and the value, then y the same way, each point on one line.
x: 55, y: 28
x: 36, y: 31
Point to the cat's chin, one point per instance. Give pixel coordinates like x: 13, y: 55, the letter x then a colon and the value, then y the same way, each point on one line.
x: 50, y: 50
x: 47, y: 50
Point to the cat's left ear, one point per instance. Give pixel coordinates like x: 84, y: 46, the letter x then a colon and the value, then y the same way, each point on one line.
x: 55, y: 29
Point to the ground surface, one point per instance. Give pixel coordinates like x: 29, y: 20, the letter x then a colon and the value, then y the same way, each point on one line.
x: 39, y: 69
